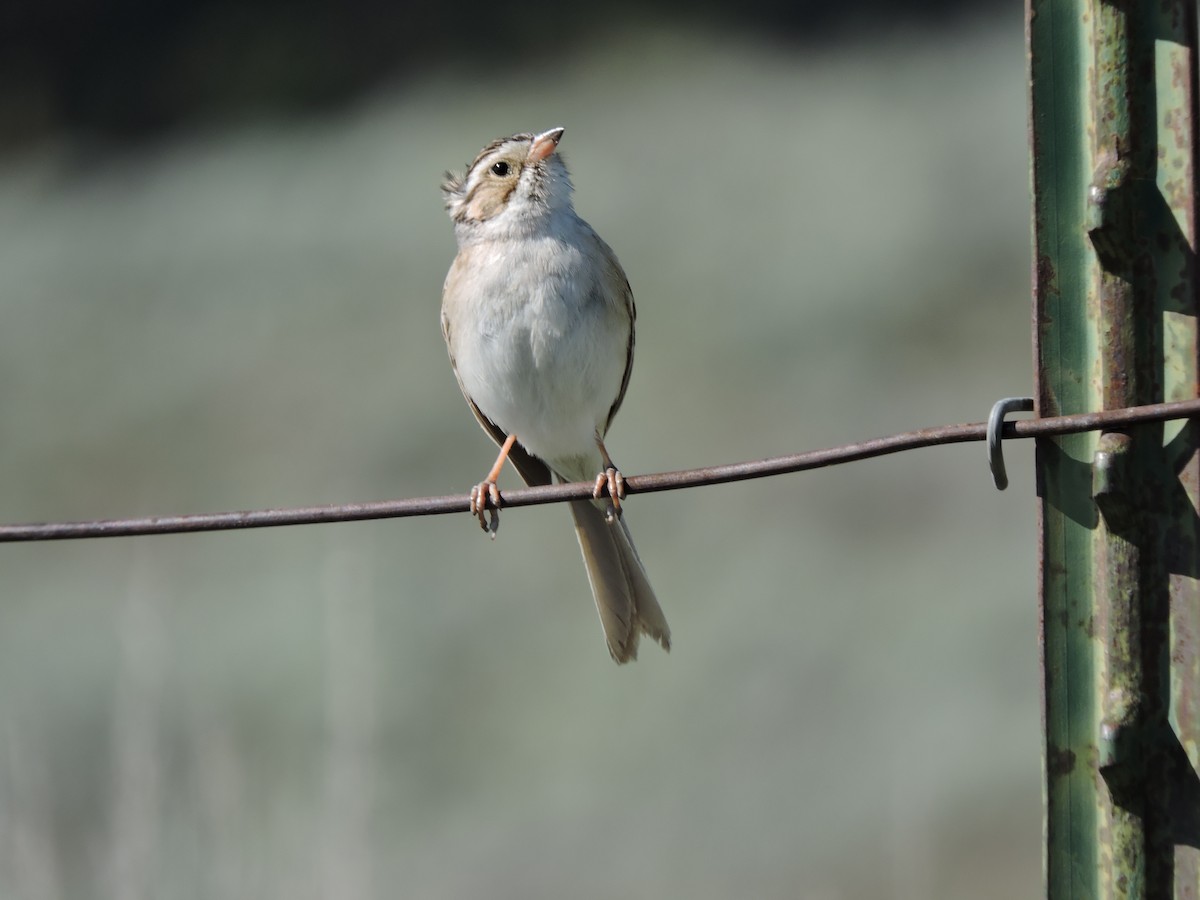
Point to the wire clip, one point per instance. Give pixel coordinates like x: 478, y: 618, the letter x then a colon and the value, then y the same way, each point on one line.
x: 995, y: 426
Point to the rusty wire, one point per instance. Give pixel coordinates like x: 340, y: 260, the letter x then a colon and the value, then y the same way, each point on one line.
x: 635, y: 484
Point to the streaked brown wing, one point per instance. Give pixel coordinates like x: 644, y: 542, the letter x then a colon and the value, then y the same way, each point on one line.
x: 616, y: 276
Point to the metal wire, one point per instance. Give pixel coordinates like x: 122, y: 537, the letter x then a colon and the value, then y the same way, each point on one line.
x: 634, y: 484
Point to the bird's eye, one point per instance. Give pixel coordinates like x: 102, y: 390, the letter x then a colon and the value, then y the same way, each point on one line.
x: 500, y: 168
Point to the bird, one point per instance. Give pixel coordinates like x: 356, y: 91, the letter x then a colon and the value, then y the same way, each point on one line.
x: 538, y: 318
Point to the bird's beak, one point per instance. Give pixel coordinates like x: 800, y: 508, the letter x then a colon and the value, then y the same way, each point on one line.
x: 545, y: 144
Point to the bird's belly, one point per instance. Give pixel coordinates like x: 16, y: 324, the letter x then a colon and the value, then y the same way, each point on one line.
x: 547, y: 372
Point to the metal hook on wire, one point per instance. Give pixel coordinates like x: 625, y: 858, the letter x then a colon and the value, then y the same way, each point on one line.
x: 995, y: 426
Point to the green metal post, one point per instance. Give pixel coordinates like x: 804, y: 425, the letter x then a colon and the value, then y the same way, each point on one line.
x: 1113, y: 133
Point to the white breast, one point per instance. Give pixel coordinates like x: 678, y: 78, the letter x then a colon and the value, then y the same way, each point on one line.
x: 547, y: 355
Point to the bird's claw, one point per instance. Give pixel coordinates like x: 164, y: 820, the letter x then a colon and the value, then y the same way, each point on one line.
x: 485, y: 506
x: 612, y: 483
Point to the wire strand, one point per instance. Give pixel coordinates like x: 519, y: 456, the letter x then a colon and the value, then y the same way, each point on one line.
x: 634, y: 484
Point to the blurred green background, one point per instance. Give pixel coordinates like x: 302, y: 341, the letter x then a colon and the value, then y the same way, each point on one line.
x: 828, y: 241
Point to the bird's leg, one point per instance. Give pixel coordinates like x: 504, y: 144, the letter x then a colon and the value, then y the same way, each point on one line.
x: 610, y: 481
x: 486, y: 492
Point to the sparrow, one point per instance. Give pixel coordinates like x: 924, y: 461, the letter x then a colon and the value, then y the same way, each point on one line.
x: 538, y: 318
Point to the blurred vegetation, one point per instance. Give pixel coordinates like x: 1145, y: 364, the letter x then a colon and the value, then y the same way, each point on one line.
x: 827, y: 243
x: 139, y: 68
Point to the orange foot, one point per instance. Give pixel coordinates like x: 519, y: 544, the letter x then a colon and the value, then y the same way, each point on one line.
x: 612, y: 483
x: 485, y: 496
x: 485, y: 506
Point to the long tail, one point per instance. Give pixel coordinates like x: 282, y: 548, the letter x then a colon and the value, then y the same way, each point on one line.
x: 624, y: 598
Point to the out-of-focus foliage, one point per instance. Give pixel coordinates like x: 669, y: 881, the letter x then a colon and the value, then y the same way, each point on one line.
x: 139, y: 68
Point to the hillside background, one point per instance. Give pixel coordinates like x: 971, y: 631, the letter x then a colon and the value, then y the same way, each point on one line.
x: 232, y: 302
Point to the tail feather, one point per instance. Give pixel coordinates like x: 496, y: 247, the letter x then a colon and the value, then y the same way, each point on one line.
x: 624, y: 598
